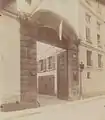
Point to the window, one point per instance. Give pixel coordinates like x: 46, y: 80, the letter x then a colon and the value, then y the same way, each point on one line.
x: 88, y: 34
x: 28, y: 1
x: 88, y: 18
x: 51, y: 63
x: 42, y: 65
x: 50, y: 60
x: 88, y: 75
x: 99, y: 60
x: 89, y: 60
x: 98, y: 40
x: 98, y: 37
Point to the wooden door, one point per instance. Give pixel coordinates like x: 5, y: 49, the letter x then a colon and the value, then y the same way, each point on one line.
x: 62, y: 76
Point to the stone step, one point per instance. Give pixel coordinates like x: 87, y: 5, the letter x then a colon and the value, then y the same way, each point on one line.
x: 18, y: 106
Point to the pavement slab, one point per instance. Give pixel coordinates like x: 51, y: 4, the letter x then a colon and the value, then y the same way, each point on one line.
x: 91, y: 109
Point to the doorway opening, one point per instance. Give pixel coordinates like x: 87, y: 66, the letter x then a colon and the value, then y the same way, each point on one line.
x: 47, y: 71
x: 44, y: 27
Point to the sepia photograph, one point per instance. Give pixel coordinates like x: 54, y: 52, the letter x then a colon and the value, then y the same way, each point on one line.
x: 52, y: 59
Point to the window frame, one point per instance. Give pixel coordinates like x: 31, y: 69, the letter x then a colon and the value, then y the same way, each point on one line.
x: 99, y: 61
x: 89, y: 58
x: 50, y: 62
x: 88, y: 75
x: 88, y: 34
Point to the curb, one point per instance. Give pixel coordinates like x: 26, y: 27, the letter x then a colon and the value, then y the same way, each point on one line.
x: 86, y: 99
x: 19, y: 114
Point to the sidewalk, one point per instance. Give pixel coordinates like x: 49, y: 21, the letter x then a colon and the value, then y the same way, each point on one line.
x: 53, y: 108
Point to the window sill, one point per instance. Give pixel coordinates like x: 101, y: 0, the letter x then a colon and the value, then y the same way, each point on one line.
x: 52, y: 69
x: 100, y: 68
x: 89, y: 41
x: 42, y: 71
x: 89, y: 66
x: 99, y: 46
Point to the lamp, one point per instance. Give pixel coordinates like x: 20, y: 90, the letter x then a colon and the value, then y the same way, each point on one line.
x: 81, y: 70
x: 81, y: 66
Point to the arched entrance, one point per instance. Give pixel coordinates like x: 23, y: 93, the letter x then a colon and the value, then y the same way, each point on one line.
x: 44, y: 26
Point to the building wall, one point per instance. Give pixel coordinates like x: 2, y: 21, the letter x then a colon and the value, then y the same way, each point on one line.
x: 95, y: 84
x: 9, y: 60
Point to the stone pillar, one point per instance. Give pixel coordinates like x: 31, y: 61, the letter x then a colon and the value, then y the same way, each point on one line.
x: 28, y: 69
x: 73, y: 70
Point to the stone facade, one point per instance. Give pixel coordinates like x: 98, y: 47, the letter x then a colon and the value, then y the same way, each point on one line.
x: 22, y: 45
x: 28, y: 69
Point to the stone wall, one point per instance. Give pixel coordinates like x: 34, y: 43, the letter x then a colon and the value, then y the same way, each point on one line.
x: 28, y: 69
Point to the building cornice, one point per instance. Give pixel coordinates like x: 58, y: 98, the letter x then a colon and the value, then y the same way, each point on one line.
x: 9, y: 14
x: 91, y: 47
x: 91, y: 10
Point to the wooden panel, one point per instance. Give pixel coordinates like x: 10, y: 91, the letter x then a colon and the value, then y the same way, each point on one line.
x: 62, y: 76
x: 28, y: 70
x: 46, y: 84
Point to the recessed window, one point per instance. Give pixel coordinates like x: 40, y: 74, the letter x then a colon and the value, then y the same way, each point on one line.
x: 98, y: 40
x: 51, y: 63
x: 88, y: 75
x: 98, y: 37
x: 99, y: 60
x: 88, y: 36
x: 42, y: 65
x: 89, y: 58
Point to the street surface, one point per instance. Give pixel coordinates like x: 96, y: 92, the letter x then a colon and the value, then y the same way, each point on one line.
x: 90, y: 109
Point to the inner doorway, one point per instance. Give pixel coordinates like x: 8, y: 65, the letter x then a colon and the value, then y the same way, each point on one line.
x: 51, y: 64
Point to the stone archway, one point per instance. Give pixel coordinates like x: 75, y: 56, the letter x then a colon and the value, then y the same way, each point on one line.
x: 43, y: 25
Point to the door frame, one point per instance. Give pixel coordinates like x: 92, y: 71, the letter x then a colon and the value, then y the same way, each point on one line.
x: 60, y: 95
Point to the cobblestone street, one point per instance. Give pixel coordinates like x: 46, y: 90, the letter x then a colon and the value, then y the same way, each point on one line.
x: 46, y: 100
x: 89, y: 109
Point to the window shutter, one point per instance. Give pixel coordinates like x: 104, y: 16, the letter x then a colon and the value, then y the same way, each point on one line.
x: 87, y: 33
x: 89, y: 61
x: 47, y: 64
x: 53, y: 62
x: 44, y: 65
